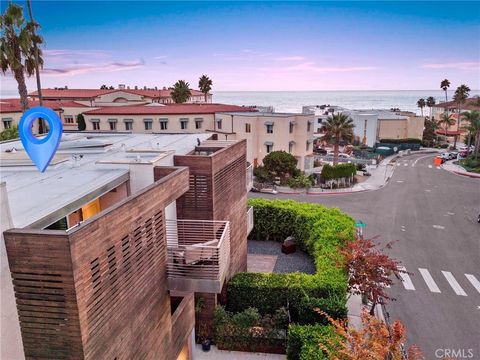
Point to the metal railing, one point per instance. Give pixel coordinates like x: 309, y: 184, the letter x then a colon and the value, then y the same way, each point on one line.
x: 249, y: 177
x: 198, y: 254
x: 249, y: 219
x: 346, y: 160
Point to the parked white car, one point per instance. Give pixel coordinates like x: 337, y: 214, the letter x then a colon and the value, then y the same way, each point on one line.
x: 340, y: 155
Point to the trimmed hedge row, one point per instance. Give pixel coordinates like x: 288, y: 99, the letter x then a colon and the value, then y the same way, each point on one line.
x: 304, y: 340
x: 400, y: 141
x: 338, y: 171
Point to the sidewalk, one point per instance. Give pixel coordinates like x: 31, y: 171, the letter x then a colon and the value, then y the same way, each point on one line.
x: 216, y: 354
x: 456, y: 169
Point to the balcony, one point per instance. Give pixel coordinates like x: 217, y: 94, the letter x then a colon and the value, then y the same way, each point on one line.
x: 198, y: 254
x: 249, y: 177
x: 249, y: 219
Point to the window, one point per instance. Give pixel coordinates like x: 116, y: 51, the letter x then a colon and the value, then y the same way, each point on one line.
x: 7, y: 123
x: 219, y: 124
x: 148, y: 124
x: 290, y: 146
x: 198, y: 123
x: 184, y: 124
x: 309, y: 126
x: 96, y: 125
x: 308, y: 146
x: 128, y: 124
x: 113, y: 125
x: 248, y: 128
x: 319, y: 121
x: 269, y: 128
x: 163, y: 124
x: 68, y: 119
x: 290, y: 129
x: 269, y: 148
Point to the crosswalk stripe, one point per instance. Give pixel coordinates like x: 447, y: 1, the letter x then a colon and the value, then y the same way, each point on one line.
x: 473, y: 280
x: 430, y: 166
x: 406, y: 281
x: 429, y: 280
x: 405, y: 164
x: 454, y: 283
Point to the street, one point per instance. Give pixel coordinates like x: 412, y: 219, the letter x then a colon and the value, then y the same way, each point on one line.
x: 432, y: 215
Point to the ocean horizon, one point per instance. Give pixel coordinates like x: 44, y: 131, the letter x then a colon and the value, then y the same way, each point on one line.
x: 293, y: 101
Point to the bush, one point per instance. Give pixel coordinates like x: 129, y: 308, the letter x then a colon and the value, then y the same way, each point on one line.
x: 280, y: 163
x: 400, y: 141
x: 81, y: 122
x: 304, y: 341
x: 300, y: 181
x: 262, y: 175
x: 338, y: 171
x: 304, y: 311
x: 10, y: 133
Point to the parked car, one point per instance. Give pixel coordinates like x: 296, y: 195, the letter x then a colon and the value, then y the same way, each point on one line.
x: 340, y: 155
x: 445, y: 156
x: 320, y: 151
x: 453, y: 155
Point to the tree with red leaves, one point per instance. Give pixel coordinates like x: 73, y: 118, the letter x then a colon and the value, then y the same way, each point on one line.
x: 370, y: 269
x: 374, y: 341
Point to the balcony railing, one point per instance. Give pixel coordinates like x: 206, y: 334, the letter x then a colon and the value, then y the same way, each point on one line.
x: 198, y: 255
x: 249, y: 177
x: 249, y: 219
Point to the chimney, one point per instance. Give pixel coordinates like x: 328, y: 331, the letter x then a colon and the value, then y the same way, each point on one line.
x: 121, y: 86
x: 136, y: 87
x: 144, y: 88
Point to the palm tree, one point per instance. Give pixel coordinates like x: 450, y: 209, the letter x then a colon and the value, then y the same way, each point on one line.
x: 430, y: 103
x: 337, y: 127
x: 17, y: 48
x: 446, y: 120
x: 421, y: 104
x: 181, y: 92
x: 205, y: 85
x: 473, y: 118
x: 461, y: 94
x: 444, y: 85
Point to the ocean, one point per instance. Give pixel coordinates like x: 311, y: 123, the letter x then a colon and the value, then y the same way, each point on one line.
x: 292, y: 101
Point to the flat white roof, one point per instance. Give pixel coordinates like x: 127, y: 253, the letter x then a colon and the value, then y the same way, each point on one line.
x: 105, y: 162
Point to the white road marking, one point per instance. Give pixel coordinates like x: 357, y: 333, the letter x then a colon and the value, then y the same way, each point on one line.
x: 398, y: 164
x: 428, y: 190
x: 439, y: 227
x: 423, y: 157
x: 429, y: 280
x: 473, y: 280
x: 399, y: 181
x: 405, y: 164
x: 438, y: 167
x: 406, y: 281
x: 454, y: 283
x: 430, y: 166
x: 450, y: 213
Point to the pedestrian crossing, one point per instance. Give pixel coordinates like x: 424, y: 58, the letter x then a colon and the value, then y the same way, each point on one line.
x: 464, y: 285
x: 413, y: 163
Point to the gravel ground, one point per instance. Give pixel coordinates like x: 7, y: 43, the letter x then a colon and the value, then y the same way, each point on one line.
x: 298, y: 261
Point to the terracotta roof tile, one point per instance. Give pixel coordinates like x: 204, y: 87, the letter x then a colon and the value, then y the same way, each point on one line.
x: 13, y: 105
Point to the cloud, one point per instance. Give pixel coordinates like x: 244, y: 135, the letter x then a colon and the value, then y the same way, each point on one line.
x: 290, y: 58
x: 88, y: 68
x: 311, y: 67
x: 160, y: 57
x: 472, y: 65
x: 62, y: 54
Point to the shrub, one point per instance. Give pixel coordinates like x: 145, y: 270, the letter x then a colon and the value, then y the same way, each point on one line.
x: 300, y: 181
x: 304, y: 341
x: 280, y: 163
x: 338, y: 171
x: 81, y: 122
x: 262, y: 175
x: 401, y: 141
x: 10, y: 133
x: 304, y: 311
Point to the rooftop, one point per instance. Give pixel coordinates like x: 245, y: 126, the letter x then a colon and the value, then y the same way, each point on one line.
x: 248, y: 112
x: 14, y: 106
x: 105, y: 163
x: 171, y: 109
x: 470, y: 104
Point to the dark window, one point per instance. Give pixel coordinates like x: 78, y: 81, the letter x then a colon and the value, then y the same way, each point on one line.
x: 309, y: 126
x: 113, y: 125
x: 291, y: 127
x: 163, y: 124
x: 269, y: 148
x: 128, y: 126
x: 7, y: 124
x: 148, y: 125
x: 219, y: 124
x: 248, y: 128
x: 96, y: 125
x: 198, y: 124
x: 184, y: 124
x: 270, y: 129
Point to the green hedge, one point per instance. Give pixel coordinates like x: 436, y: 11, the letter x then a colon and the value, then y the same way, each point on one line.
x: 304, y: 341
x: 338, y: 171
x: 401, y: 141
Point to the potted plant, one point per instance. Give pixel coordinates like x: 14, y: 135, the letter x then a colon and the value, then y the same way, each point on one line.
x: 203, y: 337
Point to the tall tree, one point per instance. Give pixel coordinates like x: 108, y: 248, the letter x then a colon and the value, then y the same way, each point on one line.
x: 38, y: 62
x: 370, y: 269
x: 429, y: 131
x: 374, y: 340
x: 431, y: 103
x: 337, y: 127
x: 446, y: 121
x: 17, y: 48
x: 205, y: 85
x: 421, y: 104
x: 473, y: 127
x: 444, y: 85
x: 460, y: 96
x: 181, y: 92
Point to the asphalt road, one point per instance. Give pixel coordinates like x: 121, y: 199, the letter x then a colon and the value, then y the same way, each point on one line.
x: 432, y: 214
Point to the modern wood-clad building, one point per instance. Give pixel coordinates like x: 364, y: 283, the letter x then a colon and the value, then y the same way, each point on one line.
x: 112, y: 271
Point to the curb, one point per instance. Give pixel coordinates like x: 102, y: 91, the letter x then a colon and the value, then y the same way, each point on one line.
x: 462, y: 173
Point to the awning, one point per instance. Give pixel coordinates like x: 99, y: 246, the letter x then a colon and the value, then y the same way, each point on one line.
x: 95, y: 120
x: 164, y: 120
x: 292, y: 122
x: 183, y: 119
x: 128, y: 120
x: 147, y: 120
x: 112, y: 120
x: 268, y: 122
x: 291, y: 142
x: 198, y: 119
x: 269, y: 143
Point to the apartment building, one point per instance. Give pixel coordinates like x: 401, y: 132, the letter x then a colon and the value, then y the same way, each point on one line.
x: 118, y: 97
x: 108, y: 248
x: 11, y: 111
x: 268, y: 131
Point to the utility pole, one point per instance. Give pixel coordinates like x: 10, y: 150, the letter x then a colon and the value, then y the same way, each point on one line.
x: 37, y: 67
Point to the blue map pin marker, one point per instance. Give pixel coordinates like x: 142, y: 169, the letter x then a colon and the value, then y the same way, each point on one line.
x: 41, y: 151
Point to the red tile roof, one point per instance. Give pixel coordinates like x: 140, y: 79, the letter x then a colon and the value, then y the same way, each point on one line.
x: 93, y: 93
x: 13, y: 105
x: 470, y: 104
x: 168, y: 109
x: 450, y: 132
